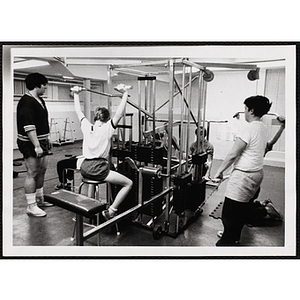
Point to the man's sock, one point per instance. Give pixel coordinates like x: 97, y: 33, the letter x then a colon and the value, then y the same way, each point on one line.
x: 31, y: 198
x: 40, y: 192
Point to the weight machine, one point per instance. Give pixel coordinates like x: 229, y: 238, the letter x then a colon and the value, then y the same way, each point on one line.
x: 164, y: 190
x: 152, y: 166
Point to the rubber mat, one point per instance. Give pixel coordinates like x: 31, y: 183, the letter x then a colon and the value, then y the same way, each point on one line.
x: 217, y: 212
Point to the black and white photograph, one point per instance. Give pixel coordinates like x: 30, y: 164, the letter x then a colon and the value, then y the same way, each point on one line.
x: 149, y: 150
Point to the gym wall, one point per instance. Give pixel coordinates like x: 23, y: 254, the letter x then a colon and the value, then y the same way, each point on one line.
x: 225, y: 96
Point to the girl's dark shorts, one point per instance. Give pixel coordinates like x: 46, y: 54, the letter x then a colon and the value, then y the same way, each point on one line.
x: 27, y: 148
x: 95, y: 169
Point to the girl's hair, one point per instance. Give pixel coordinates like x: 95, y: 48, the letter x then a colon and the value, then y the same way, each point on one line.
x: 260, y: 105
x: 102, y: 114
x: 35, y: 80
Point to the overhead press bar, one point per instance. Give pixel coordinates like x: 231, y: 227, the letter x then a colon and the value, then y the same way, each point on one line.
x: 115, y: 95
x: 138, y: 72
x: 228, y: 65
x: 202, y: 65
x: 164, y: 63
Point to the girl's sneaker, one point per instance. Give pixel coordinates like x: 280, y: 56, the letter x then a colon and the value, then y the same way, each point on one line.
x: 106, y: 214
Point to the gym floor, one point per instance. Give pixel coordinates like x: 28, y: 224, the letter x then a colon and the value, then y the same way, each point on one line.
x: 57, y: 227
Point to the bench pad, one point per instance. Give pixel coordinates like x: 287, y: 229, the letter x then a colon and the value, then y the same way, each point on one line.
x: 76, y: 203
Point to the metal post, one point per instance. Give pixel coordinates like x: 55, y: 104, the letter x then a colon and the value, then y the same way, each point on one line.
x: 153, y: 108
x: 200, y: 101
x: 204, y: 111
x: 140, y: 113
x: 208, y: 130
x: 179, y: 170
x: 130, y: 132
x: 146, y: 103
x: 188, y: 117
x: 170, y: 134
x: 140, y: 187
x: 123, y: 129
x: 109, y: 86
x: 200, y: 88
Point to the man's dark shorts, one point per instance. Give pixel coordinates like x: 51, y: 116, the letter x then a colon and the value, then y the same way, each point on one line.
x: 27, y: 148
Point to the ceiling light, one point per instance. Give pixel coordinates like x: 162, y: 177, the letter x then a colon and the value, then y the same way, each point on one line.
x: 29, y: 64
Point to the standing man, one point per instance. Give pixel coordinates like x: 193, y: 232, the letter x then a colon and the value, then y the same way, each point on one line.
x: 33, y: 141
x: 246, y: 156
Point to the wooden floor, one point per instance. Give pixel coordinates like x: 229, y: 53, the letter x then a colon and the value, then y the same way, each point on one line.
x: 57, y: 227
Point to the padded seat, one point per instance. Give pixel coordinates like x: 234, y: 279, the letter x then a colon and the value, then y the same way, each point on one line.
x: 79, y: 204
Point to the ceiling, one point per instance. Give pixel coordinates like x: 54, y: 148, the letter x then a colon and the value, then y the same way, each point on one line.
x: 67, y: 63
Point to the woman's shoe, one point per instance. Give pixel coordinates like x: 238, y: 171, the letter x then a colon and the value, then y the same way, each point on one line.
x: 273, y: 212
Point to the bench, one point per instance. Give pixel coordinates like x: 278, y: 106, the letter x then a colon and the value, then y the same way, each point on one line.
x: 81, y: 205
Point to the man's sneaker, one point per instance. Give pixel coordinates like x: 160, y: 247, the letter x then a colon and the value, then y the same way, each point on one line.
x: 41, y: 203
x: 273, y: 212
x: 33, y: 210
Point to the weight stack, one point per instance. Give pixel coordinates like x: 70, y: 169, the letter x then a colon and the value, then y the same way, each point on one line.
x: 121, y: 153
x: 148, y: 154
x: 181, y: 192
x: 196, y: 195
x: 151, y: 187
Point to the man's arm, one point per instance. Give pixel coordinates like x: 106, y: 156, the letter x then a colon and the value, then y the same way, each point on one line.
x: 208, y: 163
x: 34, y: 140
